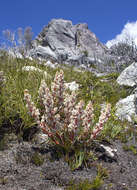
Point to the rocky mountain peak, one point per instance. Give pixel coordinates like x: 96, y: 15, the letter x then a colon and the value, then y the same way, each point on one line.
x: 68, y: 40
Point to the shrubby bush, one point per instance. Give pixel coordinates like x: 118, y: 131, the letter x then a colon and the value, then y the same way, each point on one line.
x: 124, y: 49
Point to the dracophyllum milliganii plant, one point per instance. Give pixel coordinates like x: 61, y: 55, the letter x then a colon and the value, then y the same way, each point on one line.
x: 63, y: 119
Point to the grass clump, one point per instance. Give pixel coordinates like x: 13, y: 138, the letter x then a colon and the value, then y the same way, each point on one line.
x: 37, y: 159
x: 12, y: 106
x: 86, y: 185
x: 131, y: 148
x: 95, y: 184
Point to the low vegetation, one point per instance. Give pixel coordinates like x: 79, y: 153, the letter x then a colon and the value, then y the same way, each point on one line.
x: 12, y: 101
x: 68, y: 142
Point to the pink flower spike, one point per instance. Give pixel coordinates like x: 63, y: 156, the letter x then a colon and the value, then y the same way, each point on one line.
x: 102, y: 120
x: 87, y: 117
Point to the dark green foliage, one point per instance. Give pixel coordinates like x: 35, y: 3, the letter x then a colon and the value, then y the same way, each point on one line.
x: 85, y: 53
x: 95, y: 184
x: 86, y: 185
x: 131, y: 148
x: 37, y: 159
x: 12, y: 97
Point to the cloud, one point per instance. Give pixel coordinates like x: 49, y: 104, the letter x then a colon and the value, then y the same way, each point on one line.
x: 129, y: 32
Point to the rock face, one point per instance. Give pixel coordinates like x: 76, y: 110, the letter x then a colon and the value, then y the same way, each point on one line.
x: 63, y: 42
x: 44, y: 52
x: 69, y: 40
x: 129, y: 76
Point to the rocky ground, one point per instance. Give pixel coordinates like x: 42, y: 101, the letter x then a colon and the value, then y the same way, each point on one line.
x: 27, y: 166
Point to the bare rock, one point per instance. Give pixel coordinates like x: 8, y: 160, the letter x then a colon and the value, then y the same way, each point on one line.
x: 129, y: 76
x: 72, y: 86
x: 63, y: 42
x: 43, y: 52
x: 127, y: 108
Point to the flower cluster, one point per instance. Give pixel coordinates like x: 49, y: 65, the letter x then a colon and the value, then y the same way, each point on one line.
x: 61, y: 117
x: 87, y: 117
x: 105, y: 113
x: 58, y: 87
x: 31, y: 107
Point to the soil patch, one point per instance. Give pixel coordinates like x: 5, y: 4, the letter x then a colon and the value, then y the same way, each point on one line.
x: 25, y: 166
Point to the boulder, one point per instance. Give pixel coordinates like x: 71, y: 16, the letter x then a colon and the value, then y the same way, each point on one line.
x: 72, y: 86
x: 50, y: 64
x: 129, y: 76
x: 127, y: 108
x: 110, y: 152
